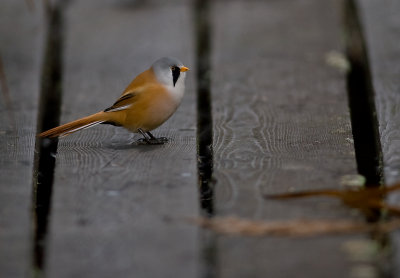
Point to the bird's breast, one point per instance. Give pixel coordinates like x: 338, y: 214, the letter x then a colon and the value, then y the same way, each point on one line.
x: 152, y: 109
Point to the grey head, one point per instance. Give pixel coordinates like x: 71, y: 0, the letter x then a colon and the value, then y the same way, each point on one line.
x: 170, y: 71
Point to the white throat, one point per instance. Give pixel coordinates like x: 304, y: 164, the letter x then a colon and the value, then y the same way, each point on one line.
x: 177, y: 91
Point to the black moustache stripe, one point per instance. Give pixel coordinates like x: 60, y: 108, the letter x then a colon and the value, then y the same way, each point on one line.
x: 176, y: 72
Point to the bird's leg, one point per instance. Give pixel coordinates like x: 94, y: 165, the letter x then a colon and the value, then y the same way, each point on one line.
x: 160, y: 140
x: 145, y: 136
x: 151, y: 135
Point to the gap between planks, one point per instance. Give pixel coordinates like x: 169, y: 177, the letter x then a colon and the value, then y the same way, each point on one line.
x: 361, y: 100
x: 45, y: 149
x: 365, y: 126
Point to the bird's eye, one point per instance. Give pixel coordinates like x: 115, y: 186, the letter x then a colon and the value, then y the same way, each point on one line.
x: 173, y: 68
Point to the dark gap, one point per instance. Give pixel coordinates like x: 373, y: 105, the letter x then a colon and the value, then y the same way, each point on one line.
x: 361, y: 100
x: 204, y: 134
x: 362, y: 105
x: 45, y: 149
x: 204, y: 117
x: 365, y: 124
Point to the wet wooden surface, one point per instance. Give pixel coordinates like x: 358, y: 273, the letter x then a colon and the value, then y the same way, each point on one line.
x: 281, y: 123
x: 21, y: 49
x: 118, y: 209
x: 381, y: 26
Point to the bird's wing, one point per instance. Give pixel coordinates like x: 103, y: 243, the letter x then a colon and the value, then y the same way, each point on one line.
x: 142, y: 82
x: 124, y: 102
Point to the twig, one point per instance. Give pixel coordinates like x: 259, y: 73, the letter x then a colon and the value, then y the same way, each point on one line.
x: 6, y: 96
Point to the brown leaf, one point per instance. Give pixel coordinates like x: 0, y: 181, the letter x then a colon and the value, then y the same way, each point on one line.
x: 365, y: 199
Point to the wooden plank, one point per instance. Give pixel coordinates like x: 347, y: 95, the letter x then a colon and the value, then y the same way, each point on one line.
x: 116, y: 207
x: 384, y: 55
x: 281, y: 122
x: 21, y: 48
x: 381, y: 27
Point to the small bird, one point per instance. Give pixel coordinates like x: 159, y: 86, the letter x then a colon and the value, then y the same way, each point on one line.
x: 149, y: 100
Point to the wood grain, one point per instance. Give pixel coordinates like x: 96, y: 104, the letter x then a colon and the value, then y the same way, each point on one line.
x: 117, y: 208
x: 21, y: 54
x: 281, y: 122
x: 381, y: 26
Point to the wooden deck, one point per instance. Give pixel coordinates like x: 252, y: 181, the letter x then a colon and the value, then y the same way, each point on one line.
x: 282, y: 87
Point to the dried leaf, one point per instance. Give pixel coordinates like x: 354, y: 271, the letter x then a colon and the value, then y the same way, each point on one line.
x: 365, y: 199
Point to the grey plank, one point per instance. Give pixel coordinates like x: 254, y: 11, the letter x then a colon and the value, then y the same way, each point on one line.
x: 381, y: 26
x: 281, y: 122
x: 116, y: 208
x: 21, y: 38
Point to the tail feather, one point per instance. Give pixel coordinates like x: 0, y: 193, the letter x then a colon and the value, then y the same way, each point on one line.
x: 71, y: 127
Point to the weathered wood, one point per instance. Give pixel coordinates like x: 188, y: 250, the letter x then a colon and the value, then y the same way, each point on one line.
x: 381, y: 27
x: 281, y: 122
x: 117, y: 208
x: 381, y: 24
x: 21, y: 49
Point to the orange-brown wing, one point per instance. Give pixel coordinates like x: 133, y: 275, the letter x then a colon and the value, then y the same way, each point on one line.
x: 122, y: 103
x: 129, y: 95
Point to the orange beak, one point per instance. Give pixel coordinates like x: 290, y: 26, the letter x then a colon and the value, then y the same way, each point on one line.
x: 183, y: 69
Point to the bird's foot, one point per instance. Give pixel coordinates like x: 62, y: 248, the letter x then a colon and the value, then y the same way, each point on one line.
x: 157, y: 141
x: 152, y: 141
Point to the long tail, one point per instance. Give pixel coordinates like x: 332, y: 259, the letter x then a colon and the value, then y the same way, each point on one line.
x: 67, y: 129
